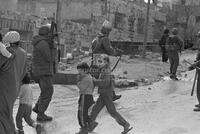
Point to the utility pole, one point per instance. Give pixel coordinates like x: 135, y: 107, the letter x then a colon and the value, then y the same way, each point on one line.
x: 109, y: 6
x: 106, y: 8
x: 146, y: 29
x: 58, y: 24
x: 58, y: 15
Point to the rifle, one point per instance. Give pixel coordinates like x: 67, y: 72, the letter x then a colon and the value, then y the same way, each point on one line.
x: 194, y: 83
x: 195, y: 77
x: 54, y: 32
x: 191, y: 63
x: 116, y: 64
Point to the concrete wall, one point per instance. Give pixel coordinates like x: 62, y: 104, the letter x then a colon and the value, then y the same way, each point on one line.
x: 45, y: 9
x: 8, y: 5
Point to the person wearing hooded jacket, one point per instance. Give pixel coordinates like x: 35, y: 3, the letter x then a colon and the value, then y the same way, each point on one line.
x: 174, y: 46
x: 162, y: 44
x: 12, y: 71
x: 101, y: 46
x: 43, y: 71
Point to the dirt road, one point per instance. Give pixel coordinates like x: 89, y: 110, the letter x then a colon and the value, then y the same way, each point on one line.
x: 164, y: 107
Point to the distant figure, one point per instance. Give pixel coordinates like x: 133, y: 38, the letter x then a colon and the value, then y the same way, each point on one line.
x: 86, y: 89
x: 192, y: 67
x: 101, y: 46
x: 25, y: 107
x: 12, y: 72
x: 105, y: 89
x: 162, y: 44
x: 174, y: 46
x: 43, y: 70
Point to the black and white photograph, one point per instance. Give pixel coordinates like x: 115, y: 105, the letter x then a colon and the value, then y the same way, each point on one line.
x: 99, y: 66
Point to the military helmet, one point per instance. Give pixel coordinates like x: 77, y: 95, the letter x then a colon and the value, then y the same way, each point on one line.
x: 174, y: 31
x: 45, y: 29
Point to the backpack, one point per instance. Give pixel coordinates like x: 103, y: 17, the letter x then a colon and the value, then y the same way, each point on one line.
x: 172, y: 44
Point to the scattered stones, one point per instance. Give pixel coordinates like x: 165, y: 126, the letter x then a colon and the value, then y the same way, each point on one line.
x: 185, y: 75
x: 131, y: 56
x: 160, y: 75
x: 125, y: 72
x: 121, y: 77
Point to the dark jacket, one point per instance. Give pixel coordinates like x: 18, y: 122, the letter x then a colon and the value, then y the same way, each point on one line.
x: 163, y: 40
x: 174, y: 43
x: 42, y: 57
x: 101, y: 45
x: 105, y: 82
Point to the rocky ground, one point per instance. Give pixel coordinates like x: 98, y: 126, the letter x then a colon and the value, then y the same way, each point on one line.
x: 157, y: 106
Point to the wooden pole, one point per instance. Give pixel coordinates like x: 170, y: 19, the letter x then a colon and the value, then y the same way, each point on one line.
x: 58, y: 14
x: 146, y: 29
x: 58, y: 23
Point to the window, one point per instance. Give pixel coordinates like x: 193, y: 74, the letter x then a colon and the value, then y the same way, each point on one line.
x: 140, y: 25
x: 131, y: 23
x: 119, y: 20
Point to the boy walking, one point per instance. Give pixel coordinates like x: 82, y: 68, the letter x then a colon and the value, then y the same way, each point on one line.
x: 25, y: 107
x: 86, y: 88
x: 105, y: 89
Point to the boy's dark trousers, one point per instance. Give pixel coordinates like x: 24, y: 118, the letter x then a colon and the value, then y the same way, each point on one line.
x: 46, y: 87
x: 84, y: 103
x: 105, y: 99
x: 174, y: 62
x: 24, y: 111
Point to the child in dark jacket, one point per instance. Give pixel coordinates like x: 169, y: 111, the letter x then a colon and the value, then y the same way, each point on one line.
x: 86, y: 89
x: 105, y: 89
x: 25, y: 107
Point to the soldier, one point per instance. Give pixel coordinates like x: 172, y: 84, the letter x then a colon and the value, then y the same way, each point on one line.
x: 193, y: 66
x: 174, y: 45
x: 162, y: 44
x: 43, y: 70
x: 101, y: 46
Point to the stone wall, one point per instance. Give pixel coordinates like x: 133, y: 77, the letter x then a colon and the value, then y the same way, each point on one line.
x: 8, y: 5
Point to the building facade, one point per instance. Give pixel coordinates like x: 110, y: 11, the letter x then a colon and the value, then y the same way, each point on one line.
x: 18, y: 22
x: 82, y: 19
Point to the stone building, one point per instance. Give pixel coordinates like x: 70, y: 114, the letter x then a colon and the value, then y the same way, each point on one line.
x: 10, y: 19
x: 186, y: 17
x: 82, y: 19
x: 8, y: 5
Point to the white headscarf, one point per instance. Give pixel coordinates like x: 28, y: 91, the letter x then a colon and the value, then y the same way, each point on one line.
x: 11, y: 37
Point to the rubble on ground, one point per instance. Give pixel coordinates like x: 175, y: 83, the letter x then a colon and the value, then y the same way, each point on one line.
x: 124, y: 83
